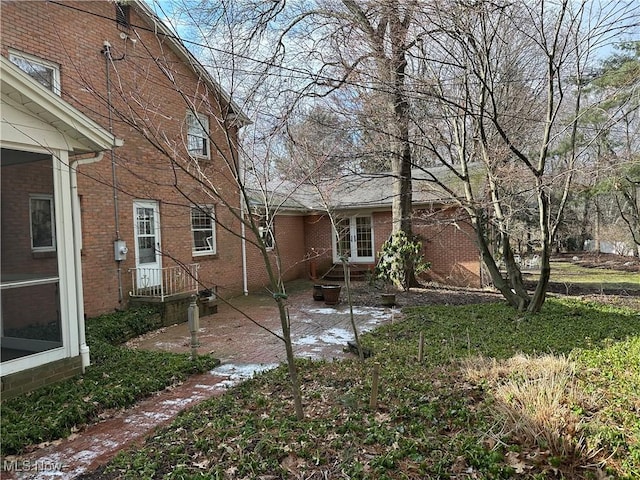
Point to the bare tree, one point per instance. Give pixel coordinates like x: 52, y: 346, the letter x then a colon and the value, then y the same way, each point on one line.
x: 218, y: 178
x: 505, y: 82
x: 616, y: 88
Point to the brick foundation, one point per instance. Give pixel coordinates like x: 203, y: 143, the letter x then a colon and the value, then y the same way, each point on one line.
x: 19, y: 383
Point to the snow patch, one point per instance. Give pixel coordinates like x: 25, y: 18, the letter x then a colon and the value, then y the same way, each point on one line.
x: 178, y: 402
x: 332, y: 336
x: 322, y: 311
x: 246, y: 370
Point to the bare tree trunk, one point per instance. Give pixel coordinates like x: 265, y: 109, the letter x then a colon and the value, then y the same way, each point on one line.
x: 539, y: 294
x: 354, y: 327
x: 291, y: 361
x: 487, y: 256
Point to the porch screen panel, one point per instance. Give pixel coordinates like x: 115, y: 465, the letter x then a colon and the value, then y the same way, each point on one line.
x: 364, y: 243
x: 30, y: 298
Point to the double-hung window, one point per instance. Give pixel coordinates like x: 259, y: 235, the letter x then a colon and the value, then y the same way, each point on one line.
x: 203, y: 230
x: 43, y: 234
x: 44, y: 72
x: 198, y: 135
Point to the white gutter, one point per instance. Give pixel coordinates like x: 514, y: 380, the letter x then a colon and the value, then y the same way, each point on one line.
x: 77, y: 247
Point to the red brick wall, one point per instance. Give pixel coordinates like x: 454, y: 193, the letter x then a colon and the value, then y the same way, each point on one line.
x: 447, y: 243
x: 290, y: 239
x: 72, y: 36
x: 318, y: 242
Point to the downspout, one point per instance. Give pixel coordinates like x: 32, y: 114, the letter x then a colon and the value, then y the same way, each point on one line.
x: 106, y: 50
x: 243, y: 232
x: 77, y: 248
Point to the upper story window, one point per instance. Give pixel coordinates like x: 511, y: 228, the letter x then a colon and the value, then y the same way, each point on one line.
x: 43, y: 235
x: 123, y: 14
x: 203, y: 230
x: 198, y: 135
x: 44, y: 72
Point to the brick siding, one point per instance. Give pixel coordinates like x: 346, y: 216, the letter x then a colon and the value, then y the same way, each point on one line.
x: 21, y: 382
x: 72, y: 35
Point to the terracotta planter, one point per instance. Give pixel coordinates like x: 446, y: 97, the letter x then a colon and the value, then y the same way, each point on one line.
x: 388, y: 299
x: 331, y: 294
x: 317, y: 292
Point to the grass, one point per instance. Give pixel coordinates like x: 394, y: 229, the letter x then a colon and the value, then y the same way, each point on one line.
x: 568, y: 273
x: 117, y: 378
x: 499, y: 395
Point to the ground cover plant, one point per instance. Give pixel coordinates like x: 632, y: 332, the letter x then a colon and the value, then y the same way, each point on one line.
x: 466, y: 411
x: 117, y: 378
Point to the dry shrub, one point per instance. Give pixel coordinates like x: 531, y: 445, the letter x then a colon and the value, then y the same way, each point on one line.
x: 539, y: 400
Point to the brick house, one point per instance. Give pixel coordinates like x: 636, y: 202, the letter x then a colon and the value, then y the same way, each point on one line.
x: 145, y: 222
x: 361, y: 204
x: 158, y: 217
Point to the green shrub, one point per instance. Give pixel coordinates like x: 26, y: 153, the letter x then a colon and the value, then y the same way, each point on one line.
x: 116, y: 328
x: 400, y: 257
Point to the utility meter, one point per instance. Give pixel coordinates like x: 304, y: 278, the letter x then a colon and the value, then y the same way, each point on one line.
x: 120, y: 250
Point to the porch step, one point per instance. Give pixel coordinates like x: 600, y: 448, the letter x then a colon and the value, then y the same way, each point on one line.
x: 359, y: 273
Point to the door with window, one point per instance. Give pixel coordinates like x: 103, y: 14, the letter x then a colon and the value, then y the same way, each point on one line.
x: 354, y: 239
x: 147, y: 243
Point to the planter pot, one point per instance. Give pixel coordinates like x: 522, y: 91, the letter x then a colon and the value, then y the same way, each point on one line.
x: 331, y: 294
x: 388, y: 299
x: 317, y: 292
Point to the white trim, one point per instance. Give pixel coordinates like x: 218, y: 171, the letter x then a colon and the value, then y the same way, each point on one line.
x: 65, y: 253
x: 153, y: 268
x: 200, y: 122
x: 24, y: 98
x: 52, y: 110
x: 237, y: 115
x: 353, y: 230
x: 213, y: 243
x: 32, y: 361
x: 29, y: 283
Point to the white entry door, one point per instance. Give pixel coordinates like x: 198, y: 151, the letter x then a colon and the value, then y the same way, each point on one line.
x: 354, y: 239
x: 147, y: 242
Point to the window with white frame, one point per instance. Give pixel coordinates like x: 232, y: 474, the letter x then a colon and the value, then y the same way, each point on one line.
x: 203, y: 230
x: 43, y: 234
x: 44, y: 72
x: 198, y: 135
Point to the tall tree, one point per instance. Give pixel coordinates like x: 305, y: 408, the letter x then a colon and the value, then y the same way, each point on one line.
x: 506, y: 81
x: 617, y: 86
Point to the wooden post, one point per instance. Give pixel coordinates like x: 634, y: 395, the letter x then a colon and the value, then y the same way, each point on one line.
x: 373, y: 402
x: 421, y: 347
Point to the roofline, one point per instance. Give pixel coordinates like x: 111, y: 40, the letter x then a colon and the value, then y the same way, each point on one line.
x: 345, y: 208
x: 27, y: 86
x: 190, y: 59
